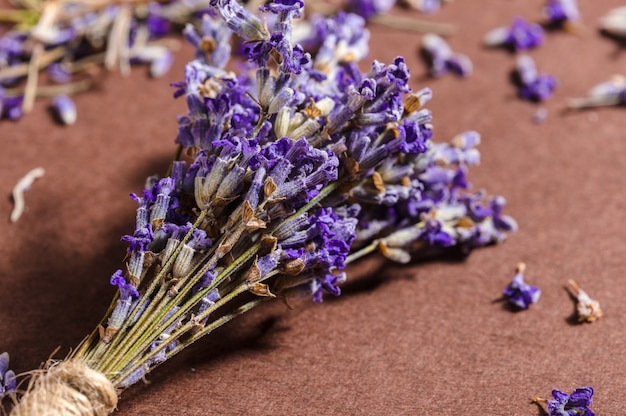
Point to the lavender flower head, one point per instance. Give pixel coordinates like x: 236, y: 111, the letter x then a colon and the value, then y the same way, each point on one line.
x: 521, y: 35
x: 519, y: 293
x: 532, y: 85
x: 575, y: 404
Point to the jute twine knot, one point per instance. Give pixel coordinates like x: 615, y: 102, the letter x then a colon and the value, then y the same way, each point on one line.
x: 69, y: 388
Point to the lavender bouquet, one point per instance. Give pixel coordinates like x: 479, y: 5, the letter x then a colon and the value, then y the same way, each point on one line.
x: 286, y: 172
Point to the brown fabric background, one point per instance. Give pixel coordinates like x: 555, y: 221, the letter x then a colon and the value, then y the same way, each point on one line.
x: 424, y: 339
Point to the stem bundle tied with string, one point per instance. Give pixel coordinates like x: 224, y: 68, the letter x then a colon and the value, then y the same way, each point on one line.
x: 289, y: 170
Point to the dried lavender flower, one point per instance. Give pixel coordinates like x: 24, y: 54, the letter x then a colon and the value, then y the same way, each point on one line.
x: 369, y: 8
x: 425, y: 6
x: 608, y: 93
x: 519, y: 293
x: 614, y: 22
x: 8, y: 382
x: 298, y: 165
x: 563, y: 404
x: 561, y: 13
x: 521, y: 35
x: 64, y: 108
x: 588, y: 309
x: 532, y: 85
x: 20, y: 187
x: 442, y: 59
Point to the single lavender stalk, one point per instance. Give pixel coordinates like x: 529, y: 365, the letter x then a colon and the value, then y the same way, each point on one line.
x: 299, y: 166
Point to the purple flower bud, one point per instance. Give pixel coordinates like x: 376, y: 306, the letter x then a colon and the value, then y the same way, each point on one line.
x: 127, y: 291
x: 277, y: 6
x: 425, y: 6
x: 58, y: 73
x: 4, y: 364
x: 442, y: 59
x: 533, y: 86
x: 369, y: 8
x: 559, y: 12
x: 576, y: 403
x: 434, y: 233
x: 65, y: 109
x: 157, y: 25
x: 10, y: 107
x: 520, y: 35
x: 240, y: 20
x: 519, y: 293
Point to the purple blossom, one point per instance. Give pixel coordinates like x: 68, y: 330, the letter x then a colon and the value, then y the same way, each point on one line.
x: 127, y: 291
x: 8, y: 381
x: 157, y: 24
x: 65, y: 109
x: 10, y: 106
x: 328, y: 283
x: 240, y: 20
x: 435, y: 234
x: 575, y: 404
x: 560, y: 12
x: 532, y: 85
x: 58, y: 73
x: 520, y: 294
x: 425, y: 6
x: 279, y: 6
x: 521, y: 35
x: 369, y: 8
x: 442, y: 59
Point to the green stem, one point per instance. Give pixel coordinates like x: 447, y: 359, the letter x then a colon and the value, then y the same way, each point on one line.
x: 362, y: 252
x: 154, y: 322
x: 209, y: 328
x: 120, y: 371
x: 114, y: 347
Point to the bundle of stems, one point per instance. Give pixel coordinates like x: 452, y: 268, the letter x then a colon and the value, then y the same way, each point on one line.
x: 286, y: 172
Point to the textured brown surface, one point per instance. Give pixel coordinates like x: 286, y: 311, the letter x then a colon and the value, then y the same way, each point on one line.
x: 425, y: 339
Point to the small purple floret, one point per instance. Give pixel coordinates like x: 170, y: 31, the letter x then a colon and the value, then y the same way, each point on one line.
x: 560, y: 12
x: 575, y: 404
x: 519, y: 293
x: 521, y: 35
x: 532, y: 85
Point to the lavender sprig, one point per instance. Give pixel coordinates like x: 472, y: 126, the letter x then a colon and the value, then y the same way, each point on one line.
x: 295, y: 167
x: 8, y: 381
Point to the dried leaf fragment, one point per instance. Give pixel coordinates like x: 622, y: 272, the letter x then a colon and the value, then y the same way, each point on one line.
x: 19, y: 189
